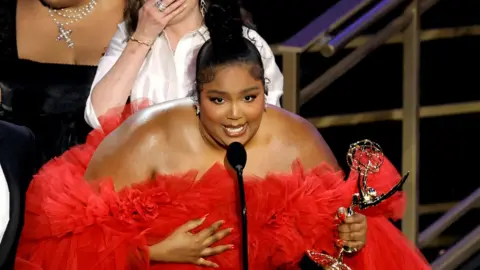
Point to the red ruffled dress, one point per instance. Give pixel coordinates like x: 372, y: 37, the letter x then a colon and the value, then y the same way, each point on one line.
x: 72, y: 225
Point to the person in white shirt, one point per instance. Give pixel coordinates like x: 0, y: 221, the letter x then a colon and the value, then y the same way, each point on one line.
x: 152, y: 57
x: 4, y: 204
x: 17, y: 152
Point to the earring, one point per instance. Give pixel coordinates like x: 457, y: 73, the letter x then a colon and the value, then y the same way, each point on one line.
x: 198, y: 110
x: 203, y: 7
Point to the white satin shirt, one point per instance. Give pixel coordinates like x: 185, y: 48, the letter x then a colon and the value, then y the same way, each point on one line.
x: 166, y: 76
x: 4, y: 204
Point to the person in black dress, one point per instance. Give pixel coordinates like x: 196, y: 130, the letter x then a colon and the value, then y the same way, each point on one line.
x: 44, y: 81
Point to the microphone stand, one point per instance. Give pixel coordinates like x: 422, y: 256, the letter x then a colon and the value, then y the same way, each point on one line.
x: 243, y: 206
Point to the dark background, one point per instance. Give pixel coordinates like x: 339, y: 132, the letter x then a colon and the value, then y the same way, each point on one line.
x: 449, y: 73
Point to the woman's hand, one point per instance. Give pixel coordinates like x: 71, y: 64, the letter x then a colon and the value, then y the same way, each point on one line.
x: 184, y: 247
x: 152, y: 20
x: 353, y: 229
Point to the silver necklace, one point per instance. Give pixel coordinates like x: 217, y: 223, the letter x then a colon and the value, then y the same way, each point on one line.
x: 72, y: 16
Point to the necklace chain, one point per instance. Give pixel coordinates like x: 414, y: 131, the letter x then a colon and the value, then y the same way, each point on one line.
x: 71, y: 16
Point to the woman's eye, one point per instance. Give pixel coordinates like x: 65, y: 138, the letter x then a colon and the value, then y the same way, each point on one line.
x: 217, y: 100
x: 250, y: 98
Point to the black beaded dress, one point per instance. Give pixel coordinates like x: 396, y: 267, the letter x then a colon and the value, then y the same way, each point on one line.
x: 47, y: 98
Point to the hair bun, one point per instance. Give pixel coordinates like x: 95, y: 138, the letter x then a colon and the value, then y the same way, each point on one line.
x: 224, y: 22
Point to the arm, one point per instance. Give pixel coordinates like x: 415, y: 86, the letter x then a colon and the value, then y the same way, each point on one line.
x: 273, y: 76
x: 115, y: 75
x: 119, y: 67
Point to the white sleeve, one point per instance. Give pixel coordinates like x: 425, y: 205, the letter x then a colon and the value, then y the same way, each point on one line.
x: 114, y: 51
x: 273, y: 76
x: 4, y: 205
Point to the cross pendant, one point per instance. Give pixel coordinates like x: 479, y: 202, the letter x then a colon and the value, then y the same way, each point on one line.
x: 64, y: 34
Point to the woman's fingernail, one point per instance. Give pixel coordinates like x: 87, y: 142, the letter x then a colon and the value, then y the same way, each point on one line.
x: 231, y: 246
x: 337, y: 221
x: 340, y: 243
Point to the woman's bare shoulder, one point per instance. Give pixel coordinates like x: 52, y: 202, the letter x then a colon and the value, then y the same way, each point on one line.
x: 290, y: 126
x: 294, y: 130
x: 164, y: 113
x: 151, y: 122
x: 156, y: 120
x: 139, y: 138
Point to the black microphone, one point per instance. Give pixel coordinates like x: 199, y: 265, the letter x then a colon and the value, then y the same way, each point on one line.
x: 237, y: 157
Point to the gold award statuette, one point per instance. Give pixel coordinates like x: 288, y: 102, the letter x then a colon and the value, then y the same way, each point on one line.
x: 365, y: 157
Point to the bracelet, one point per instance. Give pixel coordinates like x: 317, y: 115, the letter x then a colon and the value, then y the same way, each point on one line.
x: 141, y: 42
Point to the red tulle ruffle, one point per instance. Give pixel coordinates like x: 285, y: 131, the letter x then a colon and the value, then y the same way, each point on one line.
x: 72, y: 225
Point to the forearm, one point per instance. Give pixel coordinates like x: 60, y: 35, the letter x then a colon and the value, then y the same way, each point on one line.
x: 113, y: 90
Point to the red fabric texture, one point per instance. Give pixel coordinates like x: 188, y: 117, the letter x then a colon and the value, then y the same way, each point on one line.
x: 71, y: 225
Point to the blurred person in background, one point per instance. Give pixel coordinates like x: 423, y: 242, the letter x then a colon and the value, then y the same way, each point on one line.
x: 49, y: 50
x: 17, y: 146
x: 152, y: 56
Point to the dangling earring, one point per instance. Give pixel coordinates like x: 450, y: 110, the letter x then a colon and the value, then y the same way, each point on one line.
x: 198, y: 109
x: 203, y: 7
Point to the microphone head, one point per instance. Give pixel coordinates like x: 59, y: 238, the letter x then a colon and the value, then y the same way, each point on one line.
x: 236, y: 155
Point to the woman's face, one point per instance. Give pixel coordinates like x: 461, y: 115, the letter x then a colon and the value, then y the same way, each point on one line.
x: 192, y: 10
x: 232, y: 104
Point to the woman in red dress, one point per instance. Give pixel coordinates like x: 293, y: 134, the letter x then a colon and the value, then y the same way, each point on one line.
x: 155, y: 191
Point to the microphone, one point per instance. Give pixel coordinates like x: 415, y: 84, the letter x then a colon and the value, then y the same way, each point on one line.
x: 237, y: 157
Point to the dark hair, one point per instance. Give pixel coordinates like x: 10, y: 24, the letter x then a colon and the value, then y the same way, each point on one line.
x: 132, y: 7
x: 227, y: 44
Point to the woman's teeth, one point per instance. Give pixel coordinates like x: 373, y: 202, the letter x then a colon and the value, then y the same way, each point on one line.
x: 234, y: 130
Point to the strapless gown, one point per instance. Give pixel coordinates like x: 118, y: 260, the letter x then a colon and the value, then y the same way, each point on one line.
x: 71, y: 224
